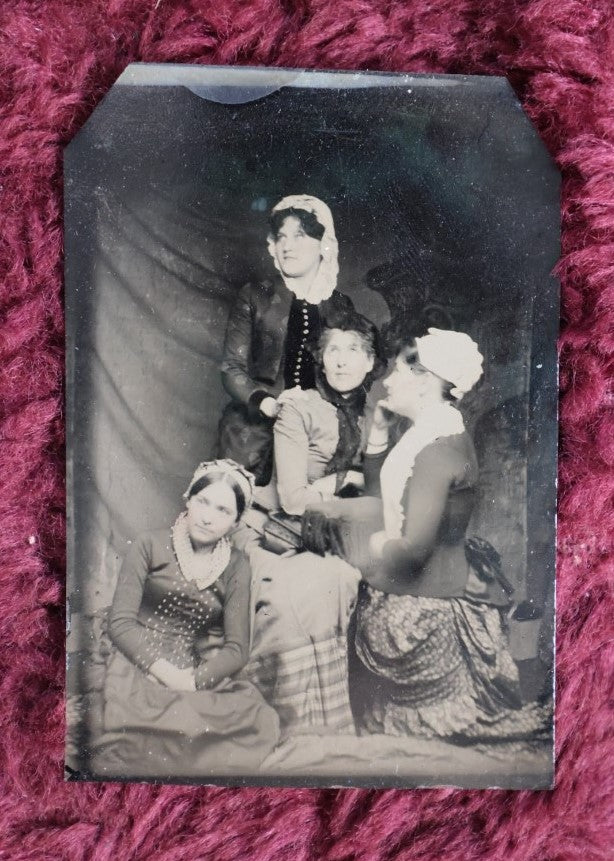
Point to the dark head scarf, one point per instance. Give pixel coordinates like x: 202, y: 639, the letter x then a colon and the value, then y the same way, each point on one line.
x: 350, y: 408
x: 350, y: 405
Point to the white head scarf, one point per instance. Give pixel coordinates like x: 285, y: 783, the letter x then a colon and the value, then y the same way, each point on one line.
x: 325, y: 279
x: 453, y: 356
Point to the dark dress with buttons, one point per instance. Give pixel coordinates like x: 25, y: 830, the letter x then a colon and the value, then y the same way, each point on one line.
x: 225, y: 726
x: 265, y: 352
x: 299, y: 365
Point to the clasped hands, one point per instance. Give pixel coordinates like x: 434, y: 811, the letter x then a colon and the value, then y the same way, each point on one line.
x: 176, y: 679
x: 173, y: 677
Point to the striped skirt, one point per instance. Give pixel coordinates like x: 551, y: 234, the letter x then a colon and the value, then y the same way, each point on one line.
x: 298, y: 659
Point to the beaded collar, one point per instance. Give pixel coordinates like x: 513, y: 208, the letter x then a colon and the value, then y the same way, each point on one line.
x: 204, y: 568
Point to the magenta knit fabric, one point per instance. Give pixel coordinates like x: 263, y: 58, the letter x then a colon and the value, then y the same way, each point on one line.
x: 57, y: 60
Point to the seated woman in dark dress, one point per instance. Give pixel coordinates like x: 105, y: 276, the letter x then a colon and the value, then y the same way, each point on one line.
x: 429, y: 627
x: 179, y: 624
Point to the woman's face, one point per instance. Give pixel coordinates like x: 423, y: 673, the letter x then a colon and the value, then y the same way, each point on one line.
x: 345, y: 360
x: 297, y: 253
x: 211, y: 513
x: 407, y: 386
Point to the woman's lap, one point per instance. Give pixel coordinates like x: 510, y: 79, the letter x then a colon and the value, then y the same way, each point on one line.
x: 307, y: 597
x: 443, y: 669
x: 149, y: 727
x: 302, y: 606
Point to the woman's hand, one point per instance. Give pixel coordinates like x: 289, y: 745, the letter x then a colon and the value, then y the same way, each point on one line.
x: 380, y: 424
x: 376, y: 544
x: 382, y: 416
x: 269, y: 407
x: 326, y: 486
x: 172, y: 677
x: 354, y: 477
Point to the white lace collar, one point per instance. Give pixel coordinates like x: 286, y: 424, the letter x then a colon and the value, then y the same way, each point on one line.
x: 204, y: 568
x: 432, y: 424
x: 320, y: 289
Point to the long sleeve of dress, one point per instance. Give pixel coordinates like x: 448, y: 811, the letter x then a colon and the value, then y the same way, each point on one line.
x: 291, y: 461
x: 234, y: 653
x: 124, y: 629
x: 237, y: 348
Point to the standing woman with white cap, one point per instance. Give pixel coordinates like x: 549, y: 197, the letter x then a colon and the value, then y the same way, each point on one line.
x: 429, y: 626
x: 271, y: 324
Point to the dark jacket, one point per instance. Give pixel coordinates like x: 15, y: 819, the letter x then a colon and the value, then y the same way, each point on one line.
x: 256, y: 338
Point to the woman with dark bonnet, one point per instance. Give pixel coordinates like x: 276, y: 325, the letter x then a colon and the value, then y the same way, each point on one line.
x: 429, y: 625
x: 320, y: 434
x: 271, y: 324
x: 303, y: 602
x: 179, y: 625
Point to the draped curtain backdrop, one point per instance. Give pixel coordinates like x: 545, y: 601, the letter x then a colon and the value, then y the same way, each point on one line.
x: 442, y: 195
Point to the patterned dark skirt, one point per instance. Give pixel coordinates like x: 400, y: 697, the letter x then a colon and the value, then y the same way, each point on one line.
x: 444, y: 670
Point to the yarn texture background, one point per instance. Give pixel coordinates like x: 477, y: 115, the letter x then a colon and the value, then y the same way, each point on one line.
x: 57, y: 60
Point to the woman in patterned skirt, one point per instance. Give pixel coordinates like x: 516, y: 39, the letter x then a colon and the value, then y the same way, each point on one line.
x: 429, y: 623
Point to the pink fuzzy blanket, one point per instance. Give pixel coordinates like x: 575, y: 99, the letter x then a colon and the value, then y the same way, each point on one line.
x: 57, y: 60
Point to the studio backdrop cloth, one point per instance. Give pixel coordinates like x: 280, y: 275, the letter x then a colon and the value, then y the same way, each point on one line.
x: 57, y: 61
x: 166, y: 202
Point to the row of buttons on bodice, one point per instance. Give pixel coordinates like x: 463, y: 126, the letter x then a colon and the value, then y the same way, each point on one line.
x: 305, y: 335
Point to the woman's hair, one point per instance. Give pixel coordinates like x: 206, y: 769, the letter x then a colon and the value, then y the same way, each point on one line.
x: 404, y: 328
x: 308, y: 221
x: 408, y: 352
x: 226, y: 477
x: 352, y: 321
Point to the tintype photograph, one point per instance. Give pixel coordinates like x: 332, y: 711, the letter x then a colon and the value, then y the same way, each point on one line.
x: 312, y: 426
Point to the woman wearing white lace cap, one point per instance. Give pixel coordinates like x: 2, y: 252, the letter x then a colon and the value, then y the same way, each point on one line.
x: 316, y: 282
x: 270, y: 327
x: 179, y: 625
x: 429, y: 625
